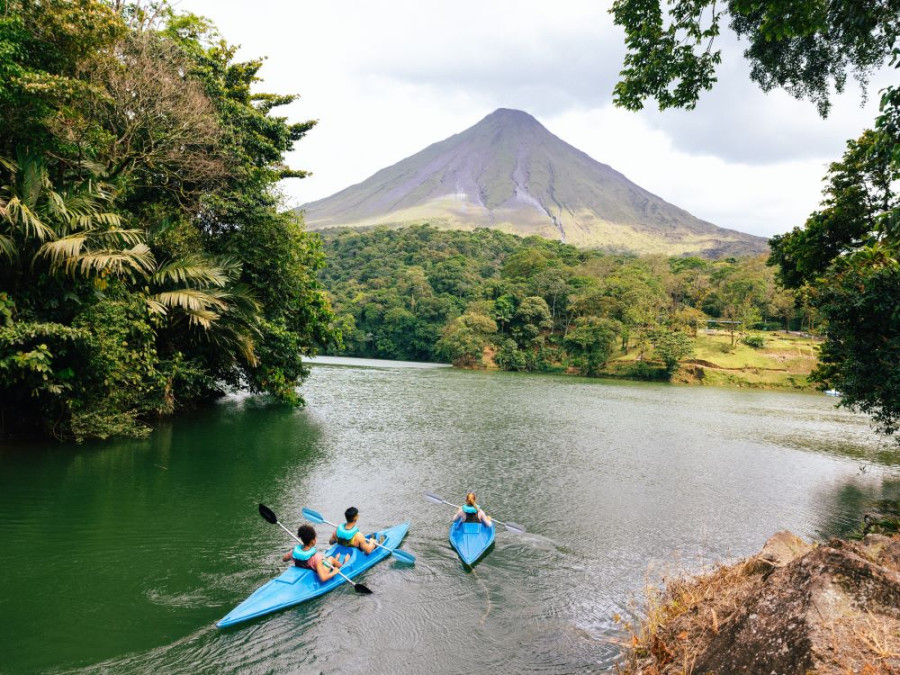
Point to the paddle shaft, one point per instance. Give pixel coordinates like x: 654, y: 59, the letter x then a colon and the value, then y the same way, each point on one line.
x: 459, y: 507
x: 324, y: 562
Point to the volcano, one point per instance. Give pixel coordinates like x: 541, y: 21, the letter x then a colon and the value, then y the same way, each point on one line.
x: 510, y: 173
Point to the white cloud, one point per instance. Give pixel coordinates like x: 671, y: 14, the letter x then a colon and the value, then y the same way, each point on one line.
x: 387, y: 79
x: 762, y: 199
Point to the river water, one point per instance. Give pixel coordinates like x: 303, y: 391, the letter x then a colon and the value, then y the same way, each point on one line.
x: 120, y: 556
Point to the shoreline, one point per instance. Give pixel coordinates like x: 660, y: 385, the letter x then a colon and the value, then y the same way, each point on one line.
x: 783, y: 364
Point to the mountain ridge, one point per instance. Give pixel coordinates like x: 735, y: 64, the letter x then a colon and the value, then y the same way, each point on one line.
x: 510, y: 173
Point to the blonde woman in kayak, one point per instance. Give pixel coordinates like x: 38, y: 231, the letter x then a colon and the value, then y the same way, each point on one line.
x: 305, y: 555
x: 349, y: 534
x: 470, y: 512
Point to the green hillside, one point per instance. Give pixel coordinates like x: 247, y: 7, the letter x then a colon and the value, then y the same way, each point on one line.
x: 489, y: 299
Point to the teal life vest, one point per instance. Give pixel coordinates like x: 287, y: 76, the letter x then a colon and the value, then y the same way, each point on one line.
x: 344, y: 536
x: 471, y: 513
x: 302, y: 557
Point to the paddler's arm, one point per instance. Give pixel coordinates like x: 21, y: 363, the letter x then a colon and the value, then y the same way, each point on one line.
x: 325, y: 572
x: 287, y: 556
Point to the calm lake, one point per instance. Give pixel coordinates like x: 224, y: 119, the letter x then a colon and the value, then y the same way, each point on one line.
x: 120, y: 557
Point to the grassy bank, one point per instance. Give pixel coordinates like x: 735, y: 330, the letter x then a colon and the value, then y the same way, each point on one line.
x: 783, y: 362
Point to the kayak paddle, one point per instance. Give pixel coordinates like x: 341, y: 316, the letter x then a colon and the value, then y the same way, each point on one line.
x: 511, y: 526
x: 316, y: 517
x: 270, y: 517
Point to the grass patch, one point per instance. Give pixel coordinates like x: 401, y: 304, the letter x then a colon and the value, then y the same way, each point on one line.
x: 784, y: 362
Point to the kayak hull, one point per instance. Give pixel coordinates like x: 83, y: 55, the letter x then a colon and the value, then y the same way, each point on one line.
x: 296, y: 584
x: 471, y: 541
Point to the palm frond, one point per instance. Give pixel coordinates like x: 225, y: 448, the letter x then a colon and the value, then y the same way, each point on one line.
x: 233, y: 340
x: 191, y: 269
x: 202, y: 317
x: 61, y: 250
x: 21, y: 216
x: 116, y: 262
x: 191, y: 299
x: 231, y: 266
x: 155, y: 306
x: 56, y: 206
x: 8, y: 247
x: 65, y: 250
x: 242, y: 305
x: 9, y: 164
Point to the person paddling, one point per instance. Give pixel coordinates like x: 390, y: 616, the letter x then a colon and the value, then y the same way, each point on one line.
x: 470, y: 512
x: 349, y: 534
x: 307, y: 556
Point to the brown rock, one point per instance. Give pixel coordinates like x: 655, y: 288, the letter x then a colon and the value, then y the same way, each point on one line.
x: 814, y: 614
x: 781, y: 548
x: 834, y: 608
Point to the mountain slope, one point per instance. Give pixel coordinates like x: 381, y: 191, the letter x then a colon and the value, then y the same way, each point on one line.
x: 508, y: 172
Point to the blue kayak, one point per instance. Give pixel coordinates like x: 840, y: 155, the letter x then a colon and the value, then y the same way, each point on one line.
x: 471, y: 540
x: 297, y: 584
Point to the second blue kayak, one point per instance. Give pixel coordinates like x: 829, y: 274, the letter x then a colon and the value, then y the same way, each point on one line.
x: 297, y: 584
x: 471, y: 540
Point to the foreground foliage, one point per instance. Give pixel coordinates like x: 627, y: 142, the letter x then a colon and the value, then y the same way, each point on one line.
x: 144, y: 263
x: 807, y: 47
x: 845, y: 261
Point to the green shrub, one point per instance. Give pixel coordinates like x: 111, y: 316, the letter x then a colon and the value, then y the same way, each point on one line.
x: 755, y: 341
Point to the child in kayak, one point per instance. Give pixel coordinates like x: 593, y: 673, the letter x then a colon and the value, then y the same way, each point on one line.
x: 349, y: 534
x: 305, y: 555
x: 470, y: 512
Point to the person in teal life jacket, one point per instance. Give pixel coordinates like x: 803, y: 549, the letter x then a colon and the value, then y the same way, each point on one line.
x: 470, y: 512
x: 348, y: 534
x: 305, y: 555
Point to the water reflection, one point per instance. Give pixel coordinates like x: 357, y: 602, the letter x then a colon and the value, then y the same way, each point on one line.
x: 844, y: 504
x: 116, y: 547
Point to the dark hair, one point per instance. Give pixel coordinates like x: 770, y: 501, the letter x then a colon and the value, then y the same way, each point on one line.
x: 351, y: 513
x: 307, y: 534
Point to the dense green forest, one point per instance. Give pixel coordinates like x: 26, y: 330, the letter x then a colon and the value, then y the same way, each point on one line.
x: 421, y: 293
x: 144, y: 260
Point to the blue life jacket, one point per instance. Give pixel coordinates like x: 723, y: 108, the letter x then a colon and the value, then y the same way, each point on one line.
x: 344, y: 536
x: 471, y: 513
x: 301, y: 557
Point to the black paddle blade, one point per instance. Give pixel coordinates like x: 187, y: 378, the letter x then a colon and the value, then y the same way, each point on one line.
x: 268, y: 514
x: 359, y: 588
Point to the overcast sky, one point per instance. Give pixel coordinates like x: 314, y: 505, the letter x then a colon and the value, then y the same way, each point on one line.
x: 386, y: 79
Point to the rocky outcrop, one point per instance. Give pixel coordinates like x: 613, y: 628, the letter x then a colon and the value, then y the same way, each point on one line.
x: 793, y: 608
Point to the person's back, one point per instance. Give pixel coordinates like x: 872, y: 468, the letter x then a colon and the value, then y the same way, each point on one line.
x: 470, y: 512
x: 349, y: 535
x: 306, y: 556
